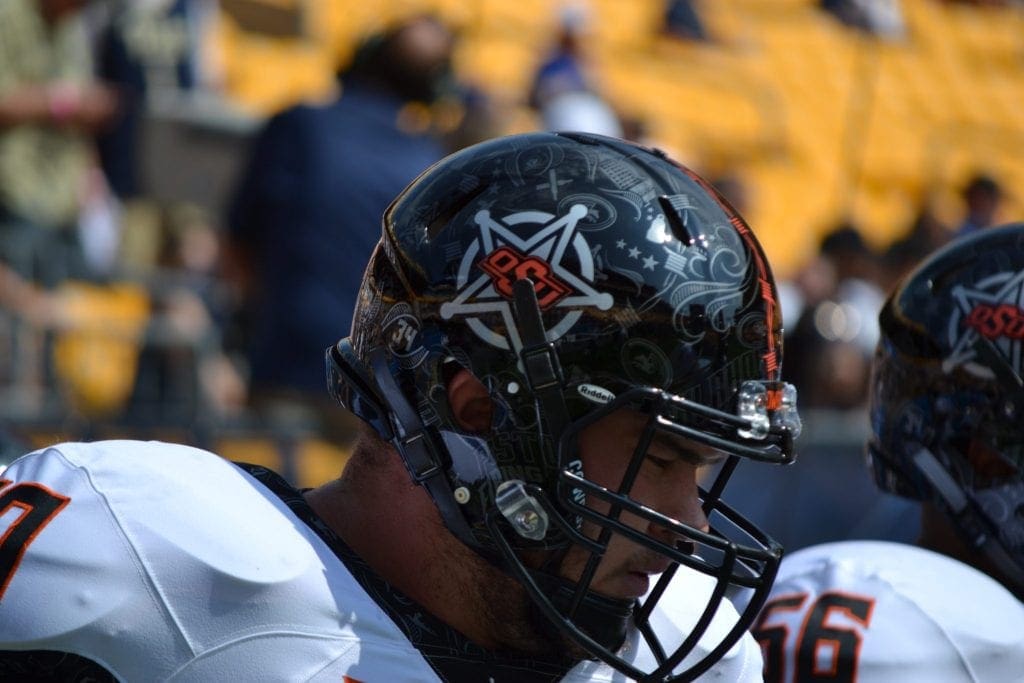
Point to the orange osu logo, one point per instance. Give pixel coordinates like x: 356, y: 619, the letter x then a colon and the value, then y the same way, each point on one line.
x: 505, y: 265
x: 989, y: 310
x: 995, y: 321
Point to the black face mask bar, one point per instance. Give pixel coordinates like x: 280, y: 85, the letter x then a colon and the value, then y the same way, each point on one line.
x: 734, y: 553
x: 594, y: 622
x: 763, y: 430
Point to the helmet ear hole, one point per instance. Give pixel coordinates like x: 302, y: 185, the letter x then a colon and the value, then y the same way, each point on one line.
x: 470, y: 403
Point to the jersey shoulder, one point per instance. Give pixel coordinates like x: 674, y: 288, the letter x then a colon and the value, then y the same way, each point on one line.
x: 155, y: 493
x: 160, y: 560
x: 901, y: 613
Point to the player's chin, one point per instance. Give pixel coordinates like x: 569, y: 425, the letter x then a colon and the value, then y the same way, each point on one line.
x: 623, y: 585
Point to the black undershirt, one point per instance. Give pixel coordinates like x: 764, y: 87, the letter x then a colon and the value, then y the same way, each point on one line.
x: 452, y: 656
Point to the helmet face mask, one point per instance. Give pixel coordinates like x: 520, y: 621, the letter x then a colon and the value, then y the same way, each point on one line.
x: 574, y: 276
x: 947, y: 396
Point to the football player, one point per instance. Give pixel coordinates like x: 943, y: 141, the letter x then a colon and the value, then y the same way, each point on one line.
x: 877, y: 612
x: 563, y: 346
x: 947, y: 401
x: 947, y: 395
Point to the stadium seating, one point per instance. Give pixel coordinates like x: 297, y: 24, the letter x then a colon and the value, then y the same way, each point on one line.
x: 819, y: 120
x: 822, y: 121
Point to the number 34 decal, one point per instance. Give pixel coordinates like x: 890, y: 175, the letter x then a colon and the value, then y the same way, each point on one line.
x: 24, y: 510
x: 823, y: 651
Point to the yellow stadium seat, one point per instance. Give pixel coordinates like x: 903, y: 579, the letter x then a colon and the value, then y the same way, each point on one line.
x: 96, y: 350
x: 822, y: 118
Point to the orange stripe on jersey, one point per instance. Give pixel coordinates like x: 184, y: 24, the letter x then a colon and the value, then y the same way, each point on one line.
x: 349, y: 679
x: 38, y: 506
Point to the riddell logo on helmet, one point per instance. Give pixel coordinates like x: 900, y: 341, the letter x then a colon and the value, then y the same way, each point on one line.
x: 594, y: 393
x: 995, y: 321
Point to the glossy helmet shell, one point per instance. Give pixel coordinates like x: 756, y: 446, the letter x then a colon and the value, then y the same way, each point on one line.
x: 947, y: 379
x: 575, y: 276
x: 645, y: 278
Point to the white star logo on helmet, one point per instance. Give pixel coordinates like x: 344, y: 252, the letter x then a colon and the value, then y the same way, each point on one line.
x: 499, y: 257
x: 992, y: 311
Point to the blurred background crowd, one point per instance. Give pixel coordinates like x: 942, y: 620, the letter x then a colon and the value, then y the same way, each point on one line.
x: 189, y: 189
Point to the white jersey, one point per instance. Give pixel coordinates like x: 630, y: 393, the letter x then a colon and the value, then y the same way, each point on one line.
x: 165, y: 562
x: 877, y: 612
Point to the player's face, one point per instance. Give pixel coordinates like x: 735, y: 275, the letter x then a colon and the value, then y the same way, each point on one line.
x: 667, y: 483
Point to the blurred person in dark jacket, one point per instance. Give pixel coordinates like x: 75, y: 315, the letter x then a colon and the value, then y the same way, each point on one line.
x: 306, y: 213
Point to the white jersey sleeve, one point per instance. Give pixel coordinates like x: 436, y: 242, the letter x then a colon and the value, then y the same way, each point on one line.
x: 673, y: 619
x: 876, y: 612
x: 163, y: 562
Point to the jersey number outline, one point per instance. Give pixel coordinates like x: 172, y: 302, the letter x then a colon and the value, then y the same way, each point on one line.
x: 38, y: 505
x: 815, y: 633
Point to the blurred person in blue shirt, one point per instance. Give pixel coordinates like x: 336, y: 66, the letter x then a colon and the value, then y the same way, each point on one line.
x: 306, y: 213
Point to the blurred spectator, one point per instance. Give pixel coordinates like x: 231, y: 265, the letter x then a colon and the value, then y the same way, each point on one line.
x: 882, y: 18
x: 50, y: 107
x: 22, y: 299
x: 681, y: 20
x: 636, y: 129
x: 982, y: 196
x: 580, y: 111
x: 144, y: 47
x: 183, y: 372
x: 565, y: 68
x: 858, y: 274
x: 307, y: 212
x: 926, y: 234
x: 731, y: 186
x: 467, y: 114
x: 563, y: 92
x: 835, y: 335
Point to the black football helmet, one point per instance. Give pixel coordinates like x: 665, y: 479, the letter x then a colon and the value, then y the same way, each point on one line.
x: 947, y: 394
x: 574, y: 275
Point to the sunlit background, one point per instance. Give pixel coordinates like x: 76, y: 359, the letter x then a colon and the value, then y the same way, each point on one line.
x: 808, y: 123
x: 821, y: 121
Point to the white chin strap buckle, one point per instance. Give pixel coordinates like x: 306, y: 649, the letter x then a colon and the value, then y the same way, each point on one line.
x: 523, y: 511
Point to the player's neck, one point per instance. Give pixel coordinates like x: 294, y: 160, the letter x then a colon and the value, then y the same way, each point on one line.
x: 404, y: 541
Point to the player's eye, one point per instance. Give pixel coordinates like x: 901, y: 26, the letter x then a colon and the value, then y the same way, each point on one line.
x: 659, y: 462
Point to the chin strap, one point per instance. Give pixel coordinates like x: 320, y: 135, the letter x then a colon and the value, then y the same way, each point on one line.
x: 968, y: 520
x: 606, y: 620
x: 419, y: 449
x: 540, y: 361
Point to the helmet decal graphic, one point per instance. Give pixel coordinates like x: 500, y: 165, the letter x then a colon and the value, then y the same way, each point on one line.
x: 505, y: 265
x: 645, y: 363
x: 400, y: 329
x: 993, y: 314
x: 499, y: 257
